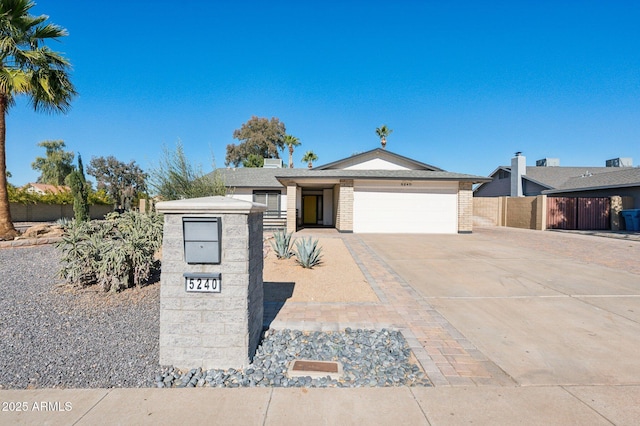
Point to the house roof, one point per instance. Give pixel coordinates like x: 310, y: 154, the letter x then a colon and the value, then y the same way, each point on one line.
x: 616, y: 178
x: 378, y: 153
x: 45, y: 187
x: 554, y: 176
x: 243, y: 177
x: 330, y: 173
x: 273, y: 178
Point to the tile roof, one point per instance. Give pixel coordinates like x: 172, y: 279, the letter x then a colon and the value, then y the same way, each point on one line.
x: 45, y: 187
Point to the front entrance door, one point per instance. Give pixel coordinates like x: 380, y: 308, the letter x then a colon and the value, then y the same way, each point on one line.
x: 310, y: 209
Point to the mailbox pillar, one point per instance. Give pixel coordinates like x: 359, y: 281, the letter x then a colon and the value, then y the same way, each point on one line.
x: 211, y: 293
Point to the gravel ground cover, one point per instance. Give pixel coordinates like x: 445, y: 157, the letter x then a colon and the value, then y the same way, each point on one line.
x: 56, y: 336
x: 53, y: 337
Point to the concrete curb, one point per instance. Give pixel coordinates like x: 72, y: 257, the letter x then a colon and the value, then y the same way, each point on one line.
x: 28, y: 242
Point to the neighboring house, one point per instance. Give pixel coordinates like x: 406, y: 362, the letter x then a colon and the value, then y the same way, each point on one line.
x: 43, y: 188
x: 373, y: 192
x: 548, y: 177
x: 624, y: 182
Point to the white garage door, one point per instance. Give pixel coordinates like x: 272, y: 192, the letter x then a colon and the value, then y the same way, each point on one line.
x: 405, y: 207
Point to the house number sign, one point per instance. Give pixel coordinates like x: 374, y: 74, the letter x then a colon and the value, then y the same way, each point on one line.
x: 202, y: 283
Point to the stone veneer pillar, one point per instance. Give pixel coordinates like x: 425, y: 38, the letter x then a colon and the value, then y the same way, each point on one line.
x: 344, y: 219
x: 465, y: 207
x: 212, y: 330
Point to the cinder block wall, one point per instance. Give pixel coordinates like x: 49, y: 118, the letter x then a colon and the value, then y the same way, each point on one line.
x: 521, y: 212
x: 487, y: 208
x: 220, y: 330
x: 52, y: 212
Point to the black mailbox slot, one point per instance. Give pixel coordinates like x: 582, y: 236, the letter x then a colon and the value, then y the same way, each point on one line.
x: 202, y: 240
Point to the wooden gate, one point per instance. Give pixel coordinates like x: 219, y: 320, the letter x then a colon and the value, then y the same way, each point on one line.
x: 578, y: 213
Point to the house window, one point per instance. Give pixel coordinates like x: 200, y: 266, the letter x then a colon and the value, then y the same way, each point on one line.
x: 270, y: 198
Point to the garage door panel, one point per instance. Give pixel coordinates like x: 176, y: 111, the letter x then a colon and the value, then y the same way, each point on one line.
x: 415, y: 210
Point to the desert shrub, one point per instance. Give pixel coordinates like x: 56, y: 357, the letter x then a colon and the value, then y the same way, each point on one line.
x: 116, y: 253
x: 308, y: 253
x: 281, y: 244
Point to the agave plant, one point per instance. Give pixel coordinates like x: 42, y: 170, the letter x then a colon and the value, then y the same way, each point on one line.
x: 308, y: 253
x: 281, y: 244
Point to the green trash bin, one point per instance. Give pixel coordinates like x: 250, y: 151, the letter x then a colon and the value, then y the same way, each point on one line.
x: 631, y: 219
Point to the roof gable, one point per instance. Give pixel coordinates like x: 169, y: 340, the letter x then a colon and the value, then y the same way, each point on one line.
x: 377, y: 159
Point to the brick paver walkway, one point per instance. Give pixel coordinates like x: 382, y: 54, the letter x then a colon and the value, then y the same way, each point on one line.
x: 447, y: 357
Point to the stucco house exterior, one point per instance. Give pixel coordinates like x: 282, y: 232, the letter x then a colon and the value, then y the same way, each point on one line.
x: 376, y: 191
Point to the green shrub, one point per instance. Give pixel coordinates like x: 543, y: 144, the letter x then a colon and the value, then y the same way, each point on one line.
x: 116, y: 253
x: 281, y: 244
x: 308, y: 253
x: 22, y: 196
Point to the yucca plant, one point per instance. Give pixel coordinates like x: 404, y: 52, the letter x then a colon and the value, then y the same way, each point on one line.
x: 281, y: 244
x: 308, y: 253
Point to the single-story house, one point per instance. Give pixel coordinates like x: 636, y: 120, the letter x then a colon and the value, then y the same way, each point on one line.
x: 372, y: 192
x: 624, y: 182
x: 618, y: 177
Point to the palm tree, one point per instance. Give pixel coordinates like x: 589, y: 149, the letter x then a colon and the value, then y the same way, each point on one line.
x: 291, y: 142
x: 27, y: 67
x: 309, y: 157
x: 382, y: 133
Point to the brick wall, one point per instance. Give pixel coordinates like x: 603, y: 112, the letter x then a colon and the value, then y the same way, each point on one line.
x: 465, y: 207
x: 292, y: 220
x: 344, y: 221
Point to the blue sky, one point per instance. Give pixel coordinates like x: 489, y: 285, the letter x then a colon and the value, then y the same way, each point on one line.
x: 462, y: 84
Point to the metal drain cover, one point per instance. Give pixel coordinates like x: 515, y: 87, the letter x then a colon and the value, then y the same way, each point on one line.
x: 314, y: 369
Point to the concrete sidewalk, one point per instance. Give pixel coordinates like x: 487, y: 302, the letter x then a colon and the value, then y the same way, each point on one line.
x: 485, y: 405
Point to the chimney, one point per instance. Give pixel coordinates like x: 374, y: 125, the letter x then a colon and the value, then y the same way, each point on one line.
x: 518, y: 169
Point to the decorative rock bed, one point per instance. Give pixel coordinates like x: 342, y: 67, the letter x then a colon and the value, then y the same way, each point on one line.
x: 369, y: 359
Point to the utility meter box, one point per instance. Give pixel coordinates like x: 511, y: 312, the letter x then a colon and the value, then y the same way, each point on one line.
x: 202, y: 240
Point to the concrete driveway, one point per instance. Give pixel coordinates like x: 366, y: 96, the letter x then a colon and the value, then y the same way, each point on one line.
x: 548, y: 308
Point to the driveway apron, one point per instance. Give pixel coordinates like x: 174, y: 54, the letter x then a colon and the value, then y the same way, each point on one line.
x: 547, y: 308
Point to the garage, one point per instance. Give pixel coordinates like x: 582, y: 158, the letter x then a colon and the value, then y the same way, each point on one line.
x: 425, y: 207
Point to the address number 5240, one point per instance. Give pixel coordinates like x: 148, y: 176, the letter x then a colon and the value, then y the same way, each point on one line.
x: 202, y: 284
